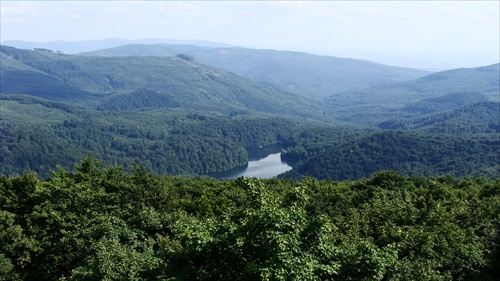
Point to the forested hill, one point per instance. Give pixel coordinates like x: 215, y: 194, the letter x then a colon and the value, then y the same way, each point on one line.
x: 185, y: 83
x: 462, y: 80
x: 38, y: 135
x: 481, y: 117
x: 438, y: 92
x: 408, y: 152
x: 305, y: 74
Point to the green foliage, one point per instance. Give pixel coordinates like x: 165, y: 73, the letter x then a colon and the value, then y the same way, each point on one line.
x: 180, y: 143
x: 472, y: 119
x: 100, y: 223
x: 119, y: 221
x: 180, y: 117
x: 139, y: 99
x: 446, y: 102
x: 408, y: 152
x: 176, y: 143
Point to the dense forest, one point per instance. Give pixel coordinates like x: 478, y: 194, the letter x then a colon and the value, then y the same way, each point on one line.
x: 94, y: 82
x: 462, y: 143
x: 101, y: 223
x: 165, y: 142
x: 408, y: 152
x: 432, y: 94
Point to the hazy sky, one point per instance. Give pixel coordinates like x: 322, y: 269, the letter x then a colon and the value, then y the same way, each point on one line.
x: 428, y: 34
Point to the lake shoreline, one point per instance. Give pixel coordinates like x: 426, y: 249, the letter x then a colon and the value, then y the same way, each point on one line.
x: 264, y: 162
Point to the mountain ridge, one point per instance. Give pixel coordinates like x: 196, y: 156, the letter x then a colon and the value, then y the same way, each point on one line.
x: 192, y: 84
x: 73, y: 47
x: 428, y: 94
x: 309, y: 75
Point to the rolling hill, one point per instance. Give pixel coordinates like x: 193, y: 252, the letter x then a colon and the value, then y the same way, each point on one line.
x: 93, y: 81
x: 311, y: 76
x: 414, y: 153
x: 481, y: 117
x: 37, y: 135
x: 434, y: 93
x: 172, y: 114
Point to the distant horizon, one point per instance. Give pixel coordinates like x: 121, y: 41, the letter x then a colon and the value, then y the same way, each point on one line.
x: 214, y: 44
x: 418, y: 34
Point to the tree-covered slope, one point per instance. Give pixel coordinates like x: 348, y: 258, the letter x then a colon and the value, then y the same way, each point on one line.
x: 437, y: 92
x: 180, y: 117
x: 446, y: 102
x: 462, y: 142
x: 37, y: 134
x: 408, y: 152
x: 305, y: 74
x: 192, y: 85
x: 482, y: 117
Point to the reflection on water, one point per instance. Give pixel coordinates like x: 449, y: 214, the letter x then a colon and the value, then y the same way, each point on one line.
x: 264, y: 162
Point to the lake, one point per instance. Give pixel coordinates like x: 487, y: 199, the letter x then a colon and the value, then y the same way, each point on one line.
x: 263, y: 162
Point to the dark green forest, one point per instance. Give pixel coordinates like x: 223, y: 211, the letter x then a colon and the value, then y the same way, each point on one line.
x: 463, y: 144
x: 101, y: 223
x: 410, y: 153
x: 165, y: 142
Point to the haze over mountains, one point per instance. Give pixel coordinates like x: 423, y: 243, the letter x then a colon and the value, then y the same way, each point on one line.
x: 73, y: 47
x: 347, y: 90
x: 305, y: 74
x: 308, y: 75
x: 446, y: 90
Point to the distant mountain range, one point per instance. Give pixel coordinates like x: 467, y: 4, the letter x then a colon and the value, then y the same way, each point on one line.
x: 133, y: 76
x: 311, y: 76
x: 73, y: 47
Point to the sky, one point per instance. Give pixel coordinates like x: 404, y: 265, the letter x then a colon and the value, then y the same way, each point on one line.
x: 422, y: 34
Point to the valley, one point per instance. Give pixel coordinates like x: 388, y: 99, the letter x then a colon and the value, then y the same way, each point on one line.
x: 250, y: 140
x: 189, y: 110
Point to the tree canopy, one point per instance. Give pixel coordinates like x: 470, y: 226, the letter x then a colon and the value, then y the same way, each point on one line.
x: 101, y: 223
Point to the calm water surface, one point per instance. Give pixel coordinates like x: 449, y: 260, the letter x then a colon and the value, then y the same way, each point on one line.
x: 264, y: 162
